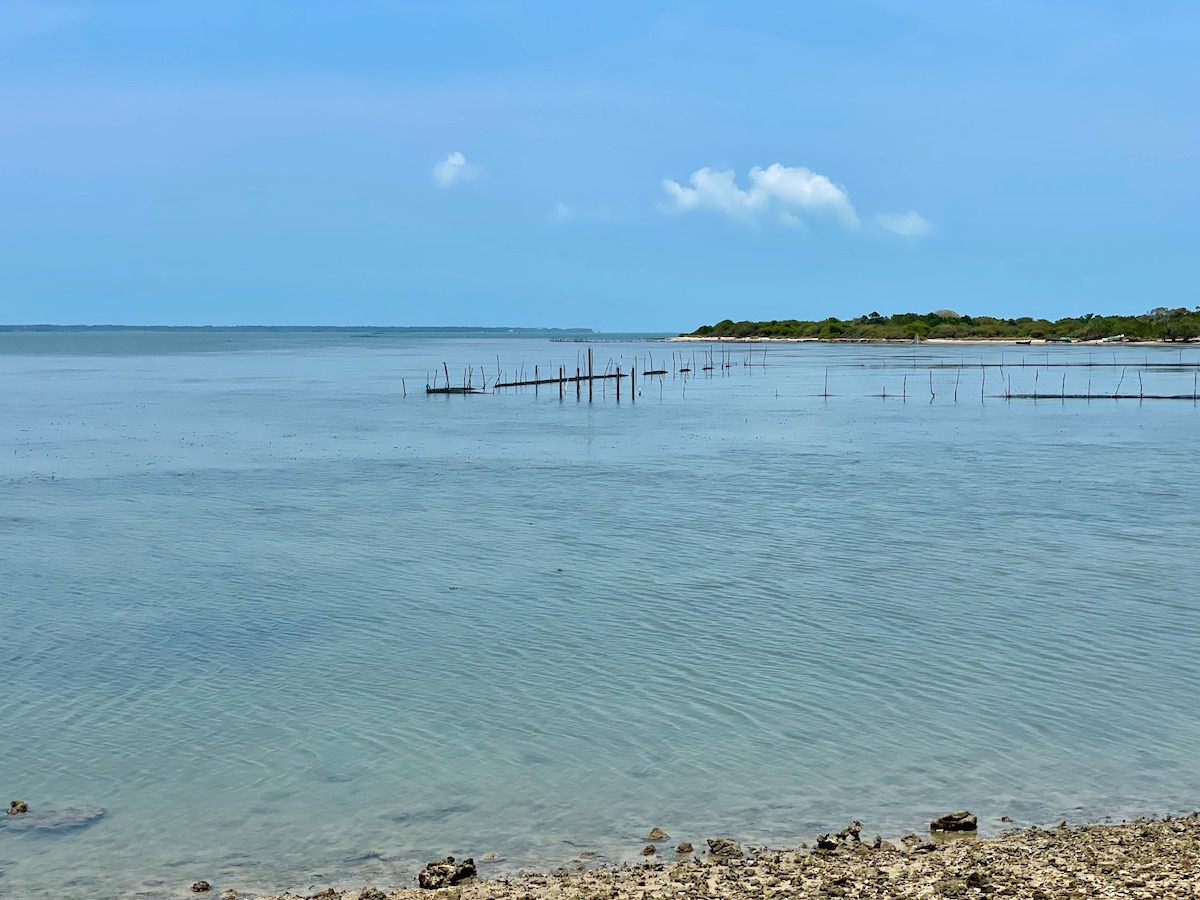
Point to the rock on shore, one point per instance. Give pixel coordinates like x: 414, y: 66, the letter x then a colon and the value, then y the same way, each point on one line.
x: 1142, y: 859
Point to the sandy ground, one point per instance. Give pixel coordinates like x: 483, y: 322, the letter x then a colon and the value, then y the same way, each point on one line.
x: 1159, y: 858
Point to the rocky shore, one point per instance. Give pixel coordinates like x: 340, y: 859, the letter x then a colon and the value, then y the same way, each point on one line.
x: 1141, y: 859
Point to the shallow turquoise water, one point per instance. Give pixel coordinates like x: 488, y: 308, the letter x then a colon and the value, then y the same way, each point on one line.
x: 290, y: 629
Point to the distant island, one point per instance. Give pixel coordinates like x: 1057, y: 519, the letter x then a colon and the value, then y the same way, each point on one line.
x: 1160, y: 324
x: 334, y: 329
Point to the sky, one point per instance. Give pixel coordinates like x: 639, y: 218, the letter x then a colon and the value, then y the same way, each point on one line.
x: 645, y: 166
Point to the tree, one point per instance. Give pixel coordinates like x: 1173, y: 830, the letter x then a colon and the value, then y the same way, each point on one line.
x: 917, y: 329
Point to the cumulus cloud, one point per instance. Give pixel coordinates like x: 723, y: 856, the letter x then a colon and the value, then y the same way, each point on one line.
x: 714, y: 190
x: 910, y: 224
x: 454, y: 169
x: 795, y: 192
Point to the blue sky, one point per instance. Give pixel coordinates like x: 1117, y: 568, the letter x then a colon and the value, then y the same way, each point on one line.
x: 618, y: 165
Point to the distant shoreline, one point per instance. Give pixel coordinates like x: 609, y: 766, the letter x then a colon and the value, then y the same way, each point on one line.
x: 1159, y: 324
x: 1035, y: 342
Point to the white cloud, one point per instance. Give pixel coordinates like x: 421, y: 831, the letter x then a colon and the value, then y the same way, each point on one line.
x: 910, y: 224
x: 798, y: 188
x: 795, y: 192
x: 714, y: 190
x: 454, y: 169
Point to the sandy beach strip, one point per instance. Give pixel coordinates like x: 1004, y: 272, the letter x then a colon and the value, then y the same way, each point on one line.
x: 1141, y: 859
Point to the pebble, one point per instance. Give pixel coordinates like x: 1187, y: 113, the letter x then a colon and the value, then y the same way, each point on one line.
x: 1146, y: 859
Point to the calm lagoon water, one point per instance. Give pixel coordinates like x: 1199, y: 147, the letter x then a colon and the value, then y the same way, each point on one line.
x: 290, y: 629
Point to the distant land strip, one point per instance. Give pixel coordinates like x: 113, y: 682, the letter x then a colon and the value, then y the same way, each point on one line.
x: 1159, y: 324
x: 373, y: 329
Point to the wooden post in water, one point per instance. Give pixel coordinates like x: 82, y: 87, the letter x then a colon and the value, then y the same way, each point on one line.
x: 904, y: 389
x: 560, y: 382
x: 535, y: 379
x: 618, y: 384
x: 403, y: 387
x: 578, y: 382
x: 826, y: 394
x: 633, y: 381
x: 590, y: 382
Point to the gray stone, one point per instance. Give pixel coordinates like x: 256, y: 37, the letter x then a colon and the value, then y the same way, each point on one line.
x: 959, y: 821
x: 847, y: 837
x: 445, y: 873
x: 724, y: 848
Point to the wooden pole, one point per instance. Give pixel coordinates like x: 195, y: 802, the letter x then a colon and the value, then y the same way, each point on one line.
x: 618, y: 384
x: 535, y: 379
x: 404, y: 387
x: 590, y: 382
x: 560, y: 382
x: 633, y: 382
x: 578, y: 382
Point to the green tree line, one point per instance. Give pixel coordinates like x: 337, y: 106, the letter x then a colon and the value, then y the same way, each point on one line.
x: 1156, y: 325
